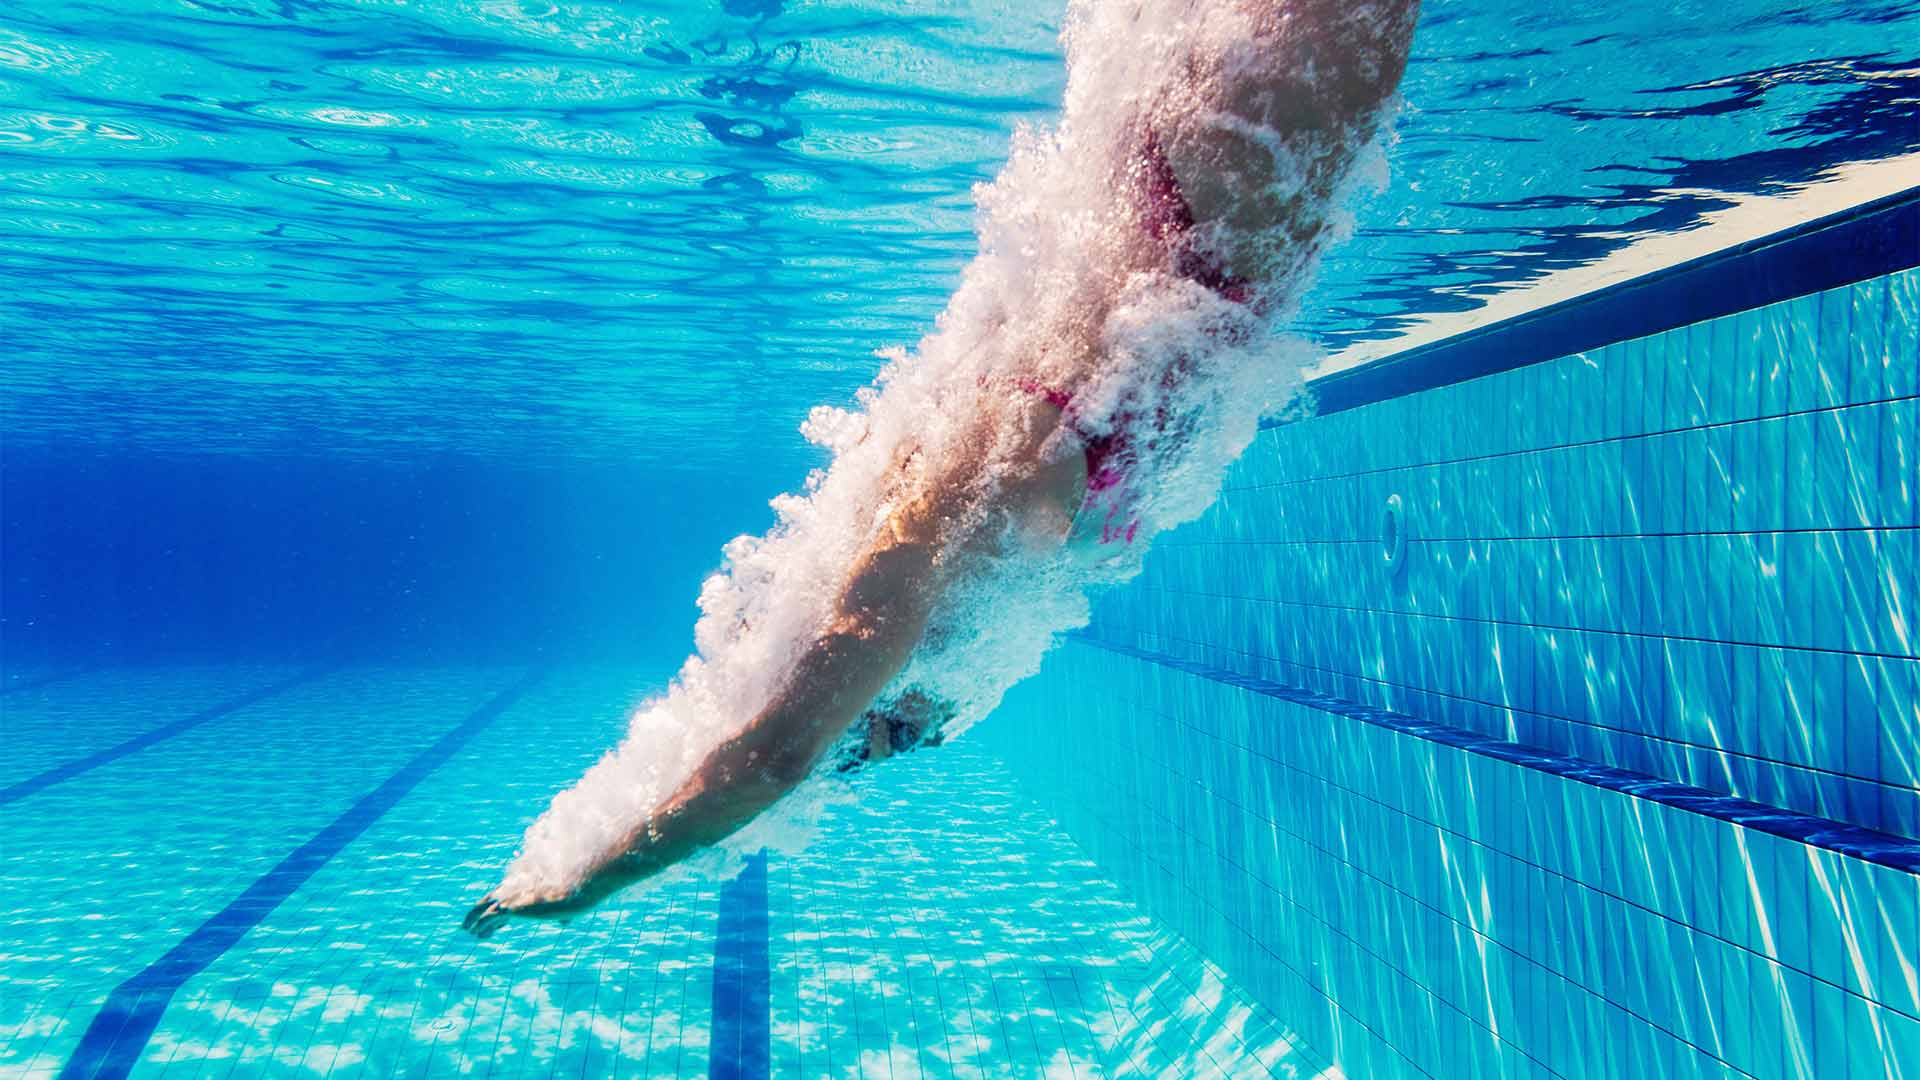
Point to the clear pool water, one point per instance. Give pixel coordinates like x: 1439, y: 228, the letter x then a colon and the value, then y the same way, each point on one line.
x: 656, y: 234
x: 381, y: 379
x: 938, y: 926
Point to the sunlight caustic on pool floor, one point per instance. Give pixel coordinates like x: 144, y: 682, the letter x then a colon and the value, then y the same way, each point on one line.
x: 937, y: 926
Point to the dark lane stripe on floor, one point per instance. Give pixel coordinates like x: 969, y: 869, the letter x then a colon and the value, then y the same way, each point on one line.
x: 80, y: 766
x: 119, y: 1032
x: 48, y: 680
x: 740, y: 1047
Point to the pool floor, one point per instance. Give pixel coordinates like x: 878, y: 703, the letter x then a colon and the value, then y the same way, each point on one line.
x: 247, y: 871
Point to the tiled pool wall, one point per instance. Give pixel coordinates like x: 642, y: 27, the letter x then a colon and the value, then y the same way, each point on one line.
x: 1691, y: 555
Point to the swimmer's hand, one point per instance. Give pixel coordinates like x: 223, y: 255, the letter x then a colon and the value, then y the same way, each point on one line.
x: 485, y: 917
x: 496, y: 907
x: 499, y: 905
x: 664, y: 842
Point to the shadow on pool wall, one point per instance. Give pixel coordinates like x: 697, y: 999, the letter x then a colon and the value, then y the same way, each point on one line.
x: 1610, y: 771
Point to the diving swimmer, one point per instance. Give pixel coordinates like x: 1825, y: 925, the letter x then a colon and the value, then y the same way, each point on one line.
x: 1131, y: 264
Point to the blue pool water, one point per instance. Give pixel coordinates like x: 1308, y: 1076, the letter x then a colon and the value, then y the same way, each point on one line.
x: 382, y: 379
x: 939, y: 922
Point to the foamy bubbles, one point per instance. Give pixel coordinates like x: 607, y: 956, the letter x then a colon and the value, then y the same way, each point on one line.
x: 1085, y: 290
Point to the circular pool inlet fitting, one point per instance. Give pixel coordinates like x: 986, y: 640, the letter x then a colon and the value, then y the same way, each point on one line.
x: 1393, y: 535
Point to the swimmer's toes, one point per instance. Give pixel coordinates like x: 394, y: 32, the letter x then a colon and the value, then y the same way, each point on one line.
x: 485, y: 917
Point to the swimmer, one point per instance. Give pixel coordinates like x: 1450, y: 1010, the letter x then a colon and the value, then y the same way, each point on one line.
x: 1220, y: 183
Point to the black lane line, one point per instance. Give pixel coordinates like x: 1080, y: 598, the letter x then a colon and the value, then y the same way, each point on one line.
x: 1855, y: 841
x: 79, y: 766
x: 740, y: 1047
x: 114, y: 1041
x: 49, y: 680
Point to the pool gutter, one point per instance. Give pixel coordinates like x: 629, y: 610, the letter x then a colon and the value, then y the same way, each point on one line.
x: 1872, y: 239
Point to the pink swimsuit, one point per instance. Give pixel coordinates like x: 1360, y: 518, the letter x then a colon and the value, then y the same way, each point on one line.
x: 1170, y: 219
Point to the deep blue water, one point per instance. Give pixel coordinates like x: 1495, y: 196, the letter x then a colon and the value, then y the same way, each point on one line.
x: 178, y: 557
x: 477, y: 327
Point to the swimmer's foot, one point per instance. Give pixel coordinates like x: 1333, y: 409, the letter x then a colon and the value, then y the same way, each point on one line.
x: 486, y: 916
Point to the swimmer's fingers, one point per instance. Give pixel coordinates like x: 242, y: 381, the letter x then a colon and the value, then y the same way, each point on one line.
x: 486, y: 916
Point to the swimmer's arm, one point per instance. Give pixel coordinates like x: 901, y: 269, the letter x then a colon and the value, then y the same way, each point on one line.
x: 880, y: 617
x: 834, y: 682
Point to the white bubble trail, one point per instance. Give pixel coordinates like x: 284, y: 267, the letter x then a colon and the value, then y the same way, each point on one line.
x: 1071, y: 289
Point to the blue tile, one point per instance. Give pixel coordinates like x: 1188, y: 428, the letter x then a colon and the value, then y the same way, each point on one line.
x: 1867, y: 340
x: 1898, y: 442
x: 1835, y: 345
x: 1898, y: 716
x: 1902, y: 371
x: 1798, y: 328
x: 1769, y: 332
